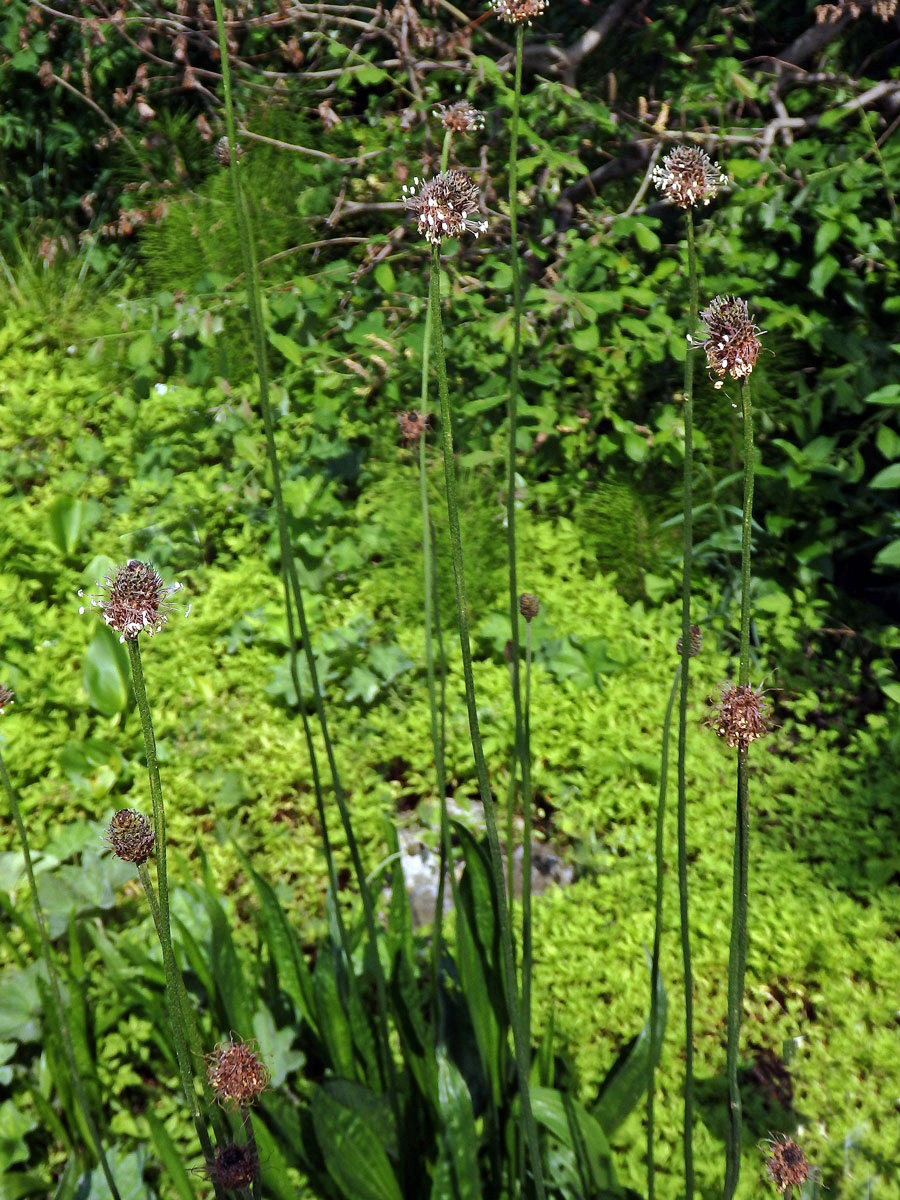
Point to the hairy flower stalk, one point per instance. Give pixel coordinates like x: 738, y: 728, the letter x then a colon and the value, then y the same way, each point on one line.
x: 6, y: 698
x: 294, y: 593
x: 506, y: 945
x: 732, y: 348
x: 175, y: 990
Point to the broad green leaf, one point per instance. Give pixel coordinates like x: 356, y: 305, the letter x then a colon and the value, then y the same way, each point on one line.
x: 626, y: 1081
x: 458, y: 1137
x: 889, y: 477
x: 287, y: 347
x: 354, y: 1155
x: 576, y: 1129
x: 889, y: 555
x: 66, y: 523
x: 106, y: 673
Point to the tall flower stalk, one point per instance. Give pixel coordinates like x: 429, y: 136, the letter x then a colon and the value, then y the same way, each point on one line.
x: 732, y: 348
x: 293, y: 590
x: 445, y: 206
x: 6, y: 697
x: 686, y: 178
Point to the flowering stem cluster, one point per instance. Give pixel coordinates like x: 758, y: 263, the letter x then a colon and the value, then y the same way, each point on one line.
x: 292, y: 581
x: 60, y: 1012
x: 462, y: 617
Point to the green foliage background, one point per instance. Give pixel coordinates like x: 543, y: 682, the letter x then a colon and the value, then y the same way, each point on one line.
x: 129, y: 429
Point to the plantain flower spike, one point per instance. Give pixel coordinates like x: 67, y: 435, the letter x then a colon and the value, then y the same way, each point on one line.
x: 445, y: 206
x: 460, y: 117
x: 687, y: 177
x: 133, y: 599
x: 740, y: 715
x: 515, y: 12
x: 733, y: 344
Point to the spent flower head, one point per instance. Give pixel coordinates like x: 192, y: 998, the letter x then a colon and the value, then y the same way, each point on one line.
x: 234, y: 1166
x: 7, y: 697
x: 688, y: 177
x: 131, y: 836
x: 787, y: 1165
x: 222, y: 152
x: 740, y: 715
x: 733, y: 344
x: 695, y: 642
x: 529, y: 606
x: 444, y: 206
x: 514, y: 12
x: 460, y: 117
x: 412, y: 425
x: 134, y: 598
x: 236, y: 1073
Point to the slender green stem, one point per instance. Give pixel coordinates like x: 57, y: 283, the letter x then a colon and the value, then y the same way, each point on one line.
x: 512, y: 410
x: 737, y: 958
x: 509, y: 973
x: 47, y: 955
x: 248, y: 253
x: 436, y: 741
x: 657, y: 931
x: 176, y: 1002
x: 746, y: 527
x: 687, y: 553
x: 526, y: 847
x: 445, y: 149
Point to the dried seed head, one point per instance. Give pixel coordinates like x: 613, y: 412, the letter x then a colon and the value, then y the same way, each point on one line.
x: 7, y: 697
x: 131, y: 836
x: 222, y: 152
x: 514, y: 12
x: 787, y: 1166
x: 236, y: 1073
x: 695, y: 642
x: 733, y: 345
x: 445, y: 205
x: 460, y: 117
x: 688, y: 177
x: 412, y: 425
x: 134, y: 598
x: 234, y: 1166
x: 529, y: 606
x: 740, y: 715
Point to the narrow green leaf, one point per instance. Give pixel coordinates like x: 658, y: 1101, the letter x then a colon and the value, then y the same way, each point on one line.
x: 169, y: 1158
x: 575, y: 1128
x: 66, y: 523
x: 354, y: 1155
x: 627, y: 1078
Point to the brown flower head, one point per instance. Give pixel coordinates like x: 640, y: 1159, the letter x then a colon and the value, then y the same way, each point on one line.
x: 134, y: 598
x: 514, y: 12
x: 529, y: 606
x: 412, y: 425
x: 7, y: 697
x: 131, y: 836
x: 236, y: 1073
x: 222, y: 152
x: 733, y: 345
x: 787, y: 1166
x: 460, y: 117
x: 445, y: 205
x: 688, y: 177
x: 234, y: 1166
x: 740, y: 716
x: 695, y: 642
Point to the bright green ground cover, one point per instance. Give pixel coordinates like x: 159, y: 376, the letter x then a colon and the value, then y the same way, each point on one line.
x: 162, y: 478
